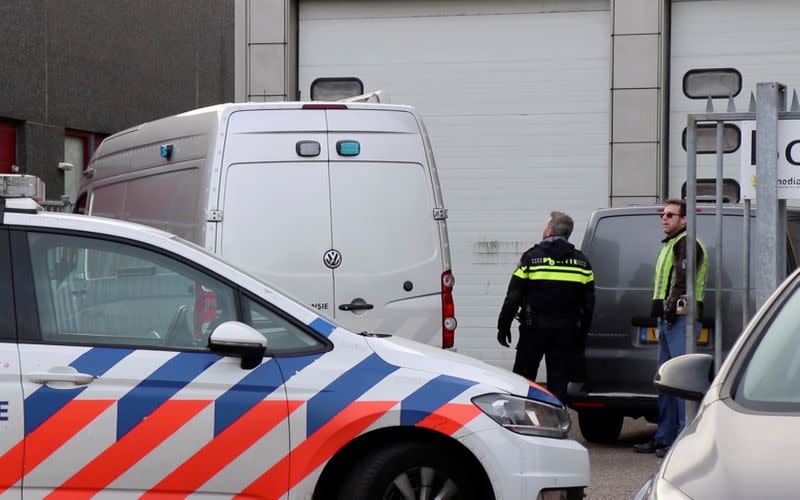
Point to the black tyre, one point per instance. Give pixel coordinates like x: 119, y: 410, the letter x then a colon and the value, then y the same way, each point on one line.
x: 405, y: 471
x: 598, y: 427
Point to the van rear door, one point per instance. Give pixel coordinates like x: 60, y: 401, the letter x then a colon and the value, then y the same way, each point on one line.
x: 382, y: 201
x: 276, y: 201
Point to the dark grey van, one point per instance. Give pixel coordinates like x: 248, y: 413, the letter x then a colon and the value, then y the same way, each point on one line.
x: 623, y: 244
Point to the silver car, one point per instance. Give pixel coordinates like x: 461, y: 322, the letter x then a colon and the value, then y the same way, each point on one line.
x: 743, y: 442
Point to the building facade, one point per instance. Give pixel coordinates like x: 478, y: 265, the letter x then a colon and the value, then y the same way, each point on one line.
x: 531, y: 105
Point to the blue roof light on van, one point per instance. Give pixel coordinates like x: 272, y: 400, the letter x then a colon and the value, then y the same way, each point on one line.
x: 166, y: 151
x: 348, y: 148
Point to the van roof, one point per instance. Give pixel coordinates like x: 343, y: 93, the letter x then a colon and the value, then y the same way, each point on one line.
x: 214, y: 112
x: 196, y: 123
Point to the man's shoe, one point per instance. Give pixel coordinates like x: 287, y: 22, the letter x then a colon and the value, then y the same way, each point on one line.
x: 649, y: 447
x: 662, y: 452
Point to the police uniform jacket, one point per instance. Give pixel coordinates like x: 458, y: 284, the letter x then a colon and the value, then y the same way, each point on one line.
x: 553, y: 282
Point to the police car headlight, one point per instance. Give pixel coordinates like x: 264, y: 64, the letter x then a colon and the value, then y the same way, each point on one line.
x: 525, y: 416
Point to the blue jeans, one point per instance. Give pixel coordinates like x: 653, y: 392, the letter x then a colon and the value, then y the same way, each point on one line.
x: 671, y: 410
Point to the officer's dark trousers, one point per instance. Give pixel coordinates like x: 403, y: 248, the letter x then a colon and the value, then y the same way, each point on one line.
x: 557, y: 346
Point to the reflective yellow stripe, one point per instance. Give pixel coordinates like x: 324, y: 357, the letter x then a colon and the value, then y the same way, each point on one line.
x: 572, y: 277
x: 586, y: 272
x: 521, y: 273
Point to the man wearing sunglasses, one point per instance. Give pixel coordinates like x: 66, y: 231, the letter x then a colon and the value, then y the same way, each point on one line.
x: 669, y: 306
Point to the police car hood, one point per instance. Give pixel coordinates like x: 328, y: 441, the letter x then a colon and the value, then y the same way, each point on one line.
x: 416, y: 356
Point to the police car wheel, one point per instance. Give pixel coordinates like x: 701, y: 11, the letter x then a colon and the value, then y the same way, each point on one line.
x: 409, y: 471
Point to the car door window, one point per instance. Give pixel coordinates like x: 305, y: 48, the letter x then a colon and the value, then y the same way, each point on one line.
x: 771, y: 376
x: 98, y: 292
x: 283, y: 336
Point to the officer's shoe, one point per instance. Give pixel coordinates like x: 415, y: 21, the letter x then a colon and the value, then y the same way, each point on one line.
x: 649, y: 447
x: 661, y: 452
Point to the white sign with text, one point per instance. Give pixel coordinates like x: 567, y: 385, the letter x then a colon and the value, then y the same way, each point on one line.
x: 788, y: 159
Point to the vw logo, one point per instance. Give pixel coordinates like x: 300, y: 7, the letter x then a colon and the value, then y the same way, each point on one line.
x: 332, y: 258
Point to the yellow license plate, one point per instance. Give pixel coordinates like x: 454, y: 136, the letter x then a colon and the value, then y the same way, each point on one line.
x: 704, y: 337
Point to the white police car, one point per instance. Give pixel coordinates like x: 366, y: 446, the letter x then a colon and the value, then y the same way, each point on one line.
x: 134, y: 364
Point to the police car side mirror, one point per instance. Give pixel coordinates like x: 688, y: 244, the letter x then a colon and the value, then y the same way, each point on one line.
x: 688, y: 376
x: 238, y: 340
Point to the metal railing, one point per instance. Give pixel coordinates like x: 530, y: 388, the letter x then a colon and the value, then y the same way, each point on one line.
x: 63, y: 205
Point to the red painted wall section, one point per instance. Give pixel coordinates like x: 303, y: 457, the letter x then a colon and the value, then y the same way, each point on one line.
x: 8, y: 146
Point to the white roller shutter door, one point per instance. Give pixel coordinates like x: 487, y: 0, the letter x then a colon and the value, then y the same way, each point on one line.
x: 515, y: 97
x: 757, y: 38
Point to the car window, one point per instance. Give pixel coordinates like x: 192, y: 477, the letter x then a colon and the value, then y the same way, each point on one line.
x: 8, y: 327
x: 282, y: 335
x: 772, y: 373
x: 92, y: 291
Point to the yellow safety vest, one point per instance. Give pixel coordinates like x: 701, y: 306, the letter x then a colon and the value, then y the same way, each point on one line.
x: 662, y: 282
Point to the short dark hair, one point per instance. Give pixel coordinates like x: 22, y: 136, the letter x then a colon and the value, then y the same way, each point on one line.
x: 681, y: 203
x: 561, y: 224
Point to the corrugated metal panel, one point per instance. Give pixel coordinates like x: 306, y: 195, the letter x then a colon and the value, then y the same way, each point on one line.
x: 515, y: 98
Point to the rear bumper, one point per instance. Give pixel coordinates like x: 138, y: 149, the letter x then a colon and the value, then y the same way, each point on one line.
x: 629, y: 404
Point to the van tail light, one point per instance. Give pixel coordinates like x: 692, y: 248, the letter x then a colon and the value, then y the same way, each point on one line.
x: 449, y: 322
x: 205, y: 310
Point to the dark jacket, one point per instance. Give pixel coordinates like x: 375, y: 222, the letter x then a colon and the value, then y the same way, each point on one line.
x: 554, y: 282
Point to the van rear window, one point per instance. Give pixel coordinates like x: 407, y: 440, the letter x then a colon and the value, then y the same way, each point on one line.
x: 624, y: 251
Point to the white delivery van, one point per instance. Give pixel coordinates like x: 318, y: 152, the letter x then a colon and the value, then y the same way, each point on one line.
x: 337, y: 204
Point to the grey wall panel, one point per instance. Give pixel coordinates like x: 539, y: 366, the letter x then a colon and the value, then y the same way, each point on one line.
x: 104, y: 65
x: 22, y: 58
x: 115, y: 64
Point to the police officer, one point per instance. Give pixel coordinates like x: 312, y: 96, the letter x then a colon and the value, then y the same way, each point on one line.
x: 669, y: 306
x: 552, y: 294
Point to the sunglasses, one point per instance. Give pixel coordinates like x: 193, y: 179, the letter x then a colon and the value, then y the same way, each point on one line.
x: 669, y: 215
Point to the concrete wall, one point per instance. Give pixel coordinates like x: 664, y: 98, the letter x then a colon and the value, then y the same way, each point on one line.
x: 101, y: 66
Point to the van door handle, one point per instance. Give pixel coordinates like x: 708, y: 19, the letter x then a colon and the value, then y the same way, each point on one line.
x: 355, y: 307
x: 48, y: 377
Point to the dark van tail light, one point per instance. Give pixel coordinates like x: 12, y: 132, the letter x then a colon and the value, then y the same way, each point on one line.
x: 449, y: 322
x: 205, y: 310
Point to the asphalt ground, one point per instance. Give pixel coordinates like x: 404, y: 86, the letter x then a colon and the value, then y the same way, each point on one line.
x: 616, y: 471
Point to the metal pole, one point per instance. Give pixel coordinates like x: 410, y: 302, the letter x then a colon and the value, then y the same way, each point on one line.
x: 691, y: 238
x: 717, y: 269
x: 746, y: 252
x: 691, y: 229
x: 771, y: 254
